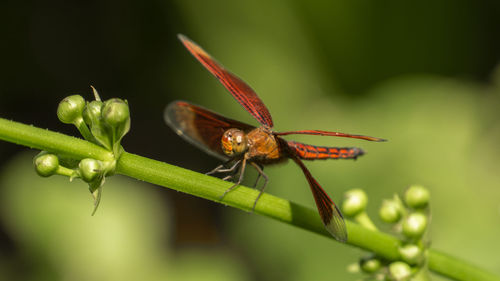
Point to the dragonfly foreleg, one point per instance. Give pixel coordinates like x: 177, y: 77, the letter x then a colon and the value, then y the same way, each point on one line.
x: 259, y: 169
x: 228, y: 177
x: 221, y: 168
x: 232, y: 172
x: 240, y: 179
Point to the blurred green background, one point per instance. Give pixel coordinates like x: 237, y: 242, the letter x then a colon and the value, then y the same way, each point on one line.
x: 422, y: 74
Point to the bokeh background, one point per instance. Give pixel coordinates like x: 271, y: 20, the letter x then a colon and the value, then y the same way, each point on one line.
x: 422, y: 74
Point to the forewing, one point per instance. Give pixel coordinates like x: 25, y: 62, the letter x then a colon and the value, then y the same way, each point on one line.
x: 240, y: 90
x: 201, y: 127
x: 330, y: 215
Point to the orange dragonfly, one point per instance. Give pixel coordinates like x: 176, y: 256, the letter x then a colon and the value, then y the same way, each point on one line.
x: 240, y: 144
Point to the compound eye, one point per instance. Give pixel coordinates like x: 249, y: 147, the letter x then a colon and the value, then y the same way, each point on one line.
x: 233, y: 142
x: 239, y: 142
x: 238, y: 139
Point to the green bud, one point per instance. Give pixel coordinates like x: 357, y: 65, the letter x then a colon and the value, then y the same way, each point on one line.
x: 417, y: 196
x: 90, y: 169
x: 399, y: 271
x: 411, y: 253
x: 414, y: 225
x: 100, y: 131
x: 116, y: 115
x: 92, y: 113
x: 353, y: 268
x: 115, y: 112
x: 390, y: 211
x: 46, y: 164
x: 355, y: 201
x: 70, y: 109
x: 370, y: 264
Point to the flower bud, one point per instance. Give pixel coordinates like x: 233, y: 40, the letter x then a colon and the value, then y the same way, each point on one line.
x: 92, y: 113
x: 355, y: 201
x: 370, y: 264
x: 414, y: 225
x: 46, y: 164
x: 90, y: 169
x: 390, y: 211
x: 70, y: 109
x: 410, y: 253
x: 100, y: 131
x: 417, y: 196
x: 353, y: 268
x: 399, y: 271
x: 115, y: 112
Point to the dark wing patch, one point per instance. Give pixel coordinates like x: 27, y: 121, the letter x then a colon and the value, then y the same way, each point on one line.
x: 201, y: 127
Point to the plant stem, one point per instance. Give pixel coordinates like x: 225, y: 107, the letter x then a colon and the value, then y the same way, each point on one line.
x: 84, y: 130
x: 457, y: 269
x: 63, y: 171
x: 211, y: 188
x: 54, y: 142
x: 364, y: 220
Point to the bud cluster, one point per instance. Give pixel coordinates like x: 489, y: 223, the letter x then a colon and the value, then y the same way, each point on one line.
x: 104, y: 123
x: 409, y: 218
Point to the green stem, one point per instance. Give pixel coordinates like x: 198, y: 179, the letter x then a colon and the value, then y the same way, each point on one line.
x: 63, y: 171
x: 54, y: 142
x: 211, y: 188
x: 364, y: 220
x: 84, y: 130
x: 457, y: 269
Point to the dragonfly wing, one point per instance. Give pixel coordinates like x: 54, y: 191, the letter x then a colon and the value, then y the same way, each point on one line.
x: 328, y: 133
x: 240, y: 90
x: 201, y: 127
x: 329, y: 212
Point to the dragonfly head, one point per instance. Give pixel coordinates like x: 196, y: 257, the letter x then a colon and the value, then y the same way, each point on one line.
x: 234, y: 142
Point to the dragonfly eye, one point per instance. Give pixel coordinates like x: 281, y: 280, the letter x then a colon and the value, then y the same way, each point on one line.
x: 234, y: 142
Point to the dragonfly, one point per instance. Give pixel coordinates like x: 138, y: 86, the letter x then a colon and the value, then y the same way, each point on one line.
x: 240, y: 144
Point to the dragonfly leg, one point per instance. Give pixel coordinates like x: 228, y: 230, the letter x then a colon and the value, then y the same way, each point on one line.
x: 259, y: 169
x: 232, y: 172
x: 215, y: 170
x: 228, y: 177
x: 220, y: 168
x: 240, y: 179
x: 258, y: 177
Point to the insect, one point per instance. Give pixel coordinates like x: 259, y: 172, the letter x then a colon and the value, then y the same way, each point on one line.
x: 240, y: 144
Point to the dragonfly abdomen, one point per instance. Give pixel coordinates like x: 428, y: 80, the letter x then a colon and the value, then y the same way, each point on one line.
x: 313, y: 152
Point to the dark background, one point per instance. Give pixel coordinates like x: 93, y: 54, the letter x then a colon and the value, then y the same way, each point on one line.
x: 421, y: 74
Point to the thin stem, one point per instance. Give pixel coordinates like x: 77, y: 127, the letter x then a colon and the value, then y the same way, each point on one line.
x: 84, y: 130
x: 364, y: 220
x: 211, y: 188
x: 63, y: 171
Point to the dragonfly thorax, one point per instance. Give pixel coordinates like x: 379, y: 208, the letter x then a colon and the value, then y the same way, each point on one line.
x: 234, y: 142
